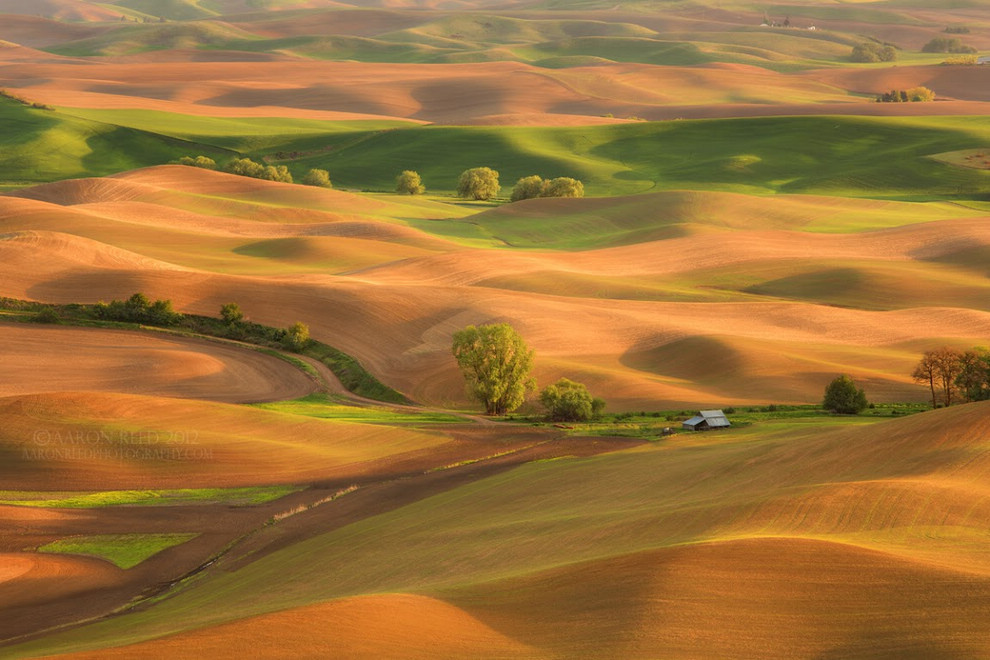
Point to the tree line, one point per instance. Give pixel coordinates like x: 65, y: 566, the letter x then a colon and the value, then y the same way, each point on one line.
x: 873, y: 51
x: 954, y: 376
x: 479, y: 183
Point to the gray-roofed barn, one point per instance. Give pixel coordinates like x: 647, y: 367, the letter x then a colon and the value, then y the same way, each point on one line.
x: 707, y: 419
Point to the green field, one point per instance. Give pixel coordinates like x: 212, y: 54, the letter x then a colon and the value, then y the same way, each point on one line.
x: 888, y: 158
x: 123, y: 550
x: 175, y: 497
x: 324, y: 406
x: 772, y: 480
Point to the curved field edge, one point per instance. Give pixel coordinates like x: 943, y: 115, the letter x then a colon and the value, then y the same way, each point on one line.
x: 884, y: 489
x: 354, y: 377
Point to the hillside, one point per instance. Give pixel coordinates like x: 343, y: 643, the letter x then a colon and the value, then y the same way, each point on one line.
x: 833, y: 518
x: 295, y: 468
x: 813, y: 285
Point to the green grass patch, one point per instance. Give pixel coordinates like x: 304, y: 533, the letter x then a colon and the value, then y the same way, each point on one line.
x: 175, y: 497
x: 843, y: 156
x: 324, y: 406
x: 123, y: 550
x: 888, y: 158
x: 45, y: 145
x: 747, y: 421
x: 242, y: 134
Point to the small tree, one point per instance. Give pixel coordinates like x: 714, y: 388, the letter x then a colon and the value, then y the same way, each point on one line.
x: 496, y: 363
x: 842, y: 396
x: 47, y: 315
x: 922, y: 94
x: 231, y: 313
x: 478, y: 183
x: 280, y: 173
x: 409, y: 183
x: 161, y: 313
x: 527, y: 187
x: 296, y: 336
x: 925, y: 372
x: 317, y: 177
x: 567, y: 401
x: 564, y: 186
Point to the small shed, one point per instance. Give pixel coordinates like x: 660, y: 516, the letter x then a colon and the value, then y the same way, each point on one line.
x: 983, y: 60
x: 707, y: 419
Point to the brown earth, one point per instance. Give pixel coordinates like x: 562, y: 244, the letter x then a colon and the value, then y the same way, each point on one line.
x: 396, y: 305
x: 479, y: 93
x: 45, y: 359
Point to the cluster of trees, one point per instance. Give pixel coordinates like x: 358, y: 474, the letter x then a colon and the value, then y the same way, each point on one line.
x: 946, y: 45
x: 205, y: 162
x: 957, y: 29
x: 497, y: 363
x: 250, y: 168
x: 247, y: 167
x: 535, y: 186
x: 293, y: 338
x: 482, y: 183
x: 953, y: 375
x: 138, y: 309
x: 871, y: 51
x: 915, y: 94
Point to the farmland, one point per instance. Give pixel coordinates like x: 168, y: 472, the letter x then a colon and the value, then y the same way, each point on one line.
x: 753, y: 224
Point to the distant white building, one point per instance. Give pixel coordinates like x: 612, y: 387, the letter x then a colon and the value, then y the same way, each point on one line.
x: 707, y: 419
x: 985, y: 59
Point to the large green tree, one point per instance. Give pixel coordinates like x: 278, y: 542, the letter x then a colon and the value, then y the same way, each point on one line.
x: 496, y: 363
x: 478, y: 183
x: 842, y: 396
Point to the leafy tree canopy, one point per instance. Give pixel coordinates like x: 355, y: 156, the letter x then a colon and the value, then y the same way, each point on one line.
x: 409, y: 183
x: 567, y: 401
x: 317, y: 177
x: 478, y: 183
x: 842, y: 396
x: 496, y: 363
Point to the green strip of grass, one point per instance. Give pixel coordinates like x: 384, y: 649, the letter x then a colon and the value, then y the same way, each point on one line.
x: 176, y: 497
x: 324, y: 406
x: 123, y: 550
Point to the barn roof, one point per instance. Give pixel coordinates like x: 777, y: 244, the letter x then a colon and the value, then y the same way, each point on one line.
x: 715, y: 418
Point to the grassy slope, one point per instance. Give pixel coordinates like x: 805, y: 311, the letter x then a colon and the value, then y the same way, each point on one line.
x: 824, y: 155
x: 48, y: 145
x: 845, y: 156
x: 885, y: 488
